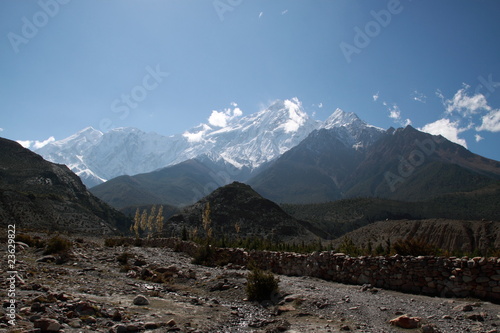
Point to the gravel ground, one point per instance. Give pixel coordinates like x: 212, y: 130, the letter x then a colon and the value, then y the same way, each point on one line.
x: 93, y: 292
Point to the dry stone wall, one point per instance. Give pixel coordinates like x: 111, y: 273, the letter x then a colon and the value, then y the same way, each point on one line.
x: 435, y: 276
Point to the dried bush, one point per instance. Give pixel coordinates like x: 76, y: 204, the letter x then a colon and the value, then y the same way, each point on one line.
x: 261, y: 285
x: 57, y: 244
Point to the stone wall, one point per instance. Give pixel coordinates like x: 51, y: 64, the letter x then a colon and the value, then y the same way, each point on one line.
x: 435, y: 276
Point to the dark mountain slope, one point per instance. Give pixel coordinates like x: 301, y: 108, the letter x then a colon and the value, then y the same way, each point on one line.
x: 178, y: 185
x: 403, y: 164
x: 340, y: 217
x: 407, y: 164
x: 37, y: 194
x: 238, y: 204
x: 310, y: 172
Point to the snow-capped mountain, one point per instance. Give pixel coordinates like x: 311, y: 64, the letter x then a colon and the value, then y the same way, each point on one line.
x: 238, y: 144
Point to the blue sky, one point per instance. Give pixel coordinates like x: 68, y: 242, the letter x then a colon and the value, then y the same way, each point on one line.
x: 66, y: 65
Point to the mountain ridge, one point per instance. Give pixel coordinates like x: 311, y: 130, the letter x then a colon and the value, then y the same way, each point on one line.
x: 244, y: 143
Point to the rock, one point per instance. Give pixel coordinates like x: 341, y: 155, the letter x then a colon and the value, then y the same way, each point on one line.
x: 284, y: 308
x: 140, y: 300
x: 171, y: 323
x: 47, y: 325
x: 476, y: 316
x: 89, y: 319
x: 345, y: 328
x: 152, y: 326
x: 405, y: 321
x: 140, y: 262
x: 75, y: 323
x: 117, y: 316
x: 85, y: 309
x: 429, y: 328
x: 463, y: 308
x: 37, y: 307
x: 48, y: 258
x: 119, y: 328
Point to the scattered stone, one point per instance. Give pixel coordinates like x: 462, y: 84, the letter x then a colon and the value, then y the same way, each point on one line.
x: 140, y: 262
x: 48, y: 258
x: 119, y: 328
x: 429, y: 328
x: 152, y: 326
x: 171, y: 323
x: 405, y: 321
x: 284, y: 308
x: 47, y: 325
x: 75, y: 323
x: 117, y: 316
x: 141, y: 300
x: 476, y: 316
x: 345, y: 328
x: 463, y: 308
x: 37, y: 307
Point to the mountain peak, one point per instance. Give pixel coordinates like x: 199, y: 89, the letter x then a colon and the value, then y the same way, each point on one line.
x: 341, y: 118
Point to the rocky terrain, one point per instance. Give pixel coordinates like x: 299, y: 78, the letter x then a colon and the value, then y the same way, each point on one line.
x: 146, y: 289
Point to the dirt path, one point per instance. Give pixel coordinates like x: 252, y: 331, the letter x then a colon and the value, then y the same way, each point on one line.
x: 93, y: 292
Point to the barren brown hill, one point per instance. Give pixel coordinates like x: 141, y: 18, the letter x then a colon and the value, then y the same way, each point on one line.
x: 454, y: 236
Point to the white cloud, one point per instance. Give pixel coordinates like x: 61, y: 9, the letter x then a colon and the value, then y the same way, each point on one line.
x: 218, y: 118
x: 320, y: 105
x: 221, y: 118
x: 35, y: 144
x: 1, y: 129
x: 297, y: 117
x: 419, y: 97
x: 375, y: 97
x: 25, y: 143
x: 478, y: 137
x: 466, y: 105
x: 260, y: 14
x: 194, y: 137
x: 284, y: 12
x: 490, y: 122
x: 446, y: 128
x: 40, y: 144
x: 395, y: 115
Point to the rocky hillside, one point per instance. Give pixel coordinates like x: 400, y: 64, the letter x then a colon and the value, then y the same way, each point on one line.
x: 455, y: 236
x: 236, y: 210
x: 36, y: 194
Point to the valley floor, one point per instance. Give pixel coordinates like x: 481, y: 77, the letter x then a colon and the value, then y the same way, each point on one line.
x: 93, y: 292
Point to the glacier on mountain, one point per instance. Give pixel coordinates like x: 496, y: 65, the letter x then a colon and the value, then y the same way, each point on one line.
x: 238, y: 143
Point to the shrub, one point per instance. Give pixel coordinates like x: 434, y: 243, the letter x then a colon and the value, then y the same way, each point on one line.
x: 30, y: 241
x: 414, y: 247
x: 57, y: 244
x: 123, y: 258
x: 261, y: 285
x: 204, y: 256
